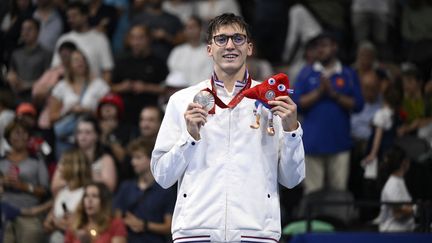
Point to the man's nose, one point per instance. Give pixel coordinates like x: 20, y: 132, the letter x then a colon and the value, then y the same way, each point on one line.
x: 230, y: 44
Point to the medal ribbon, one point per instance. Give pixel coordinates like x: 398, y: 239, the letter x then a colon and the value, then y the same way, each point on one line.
x: 233, y: 102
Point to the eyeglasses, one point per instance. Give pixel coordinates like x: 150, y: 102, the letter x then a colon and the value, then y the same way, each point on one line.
x: 222, y: 40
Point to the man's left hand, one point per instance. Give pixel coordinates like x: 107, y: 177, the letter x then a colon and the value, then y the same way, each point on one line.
x: 286, y: 109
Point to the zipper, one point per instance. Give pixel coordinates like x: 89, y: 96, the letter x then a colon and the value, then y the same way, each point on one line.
x: 226, y: 191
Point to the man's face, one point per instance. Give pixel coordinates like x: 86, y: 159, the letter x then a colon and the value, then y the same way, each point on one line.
x: 138, y: 39
x: 76, y: 19
x: 192, y: 30
x: 229, y: 58
x: 326, y: 50
x: 140, y: 162
x: 149, y: 122
x: 29, y: 32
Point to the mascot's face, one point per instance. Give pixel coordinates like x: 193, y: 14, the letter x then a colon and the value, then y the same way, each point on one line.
x: 277, y: 85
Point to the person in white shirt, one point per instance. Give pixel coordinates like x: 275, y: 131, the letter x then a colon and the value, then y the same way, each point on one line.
x: 399, y: 218
x: 189, y: 61
x: 94, y: 44
x: 227, y: 173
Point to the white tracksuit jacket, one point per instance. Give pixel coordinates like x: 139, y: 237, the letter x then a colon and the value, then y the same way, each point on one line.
x: 228, y: 180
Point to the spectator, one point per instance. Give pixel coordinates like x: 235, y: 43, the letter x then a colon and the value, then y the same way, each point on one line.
x: 26, y: 184
x: 38, y: 146
x: 366, y: 59
x: 397, y: 218
x: 416, y: 35
x: 43, y: 86
x: 361, y: 129
x: 333, y: 16
x: 10, y: 212
x: 150, y: 121
x: 94, y: 221
x: 75, y: 171
x: 51, y: 24
x: 101, y: 161
x: 102, y: 17
x: 115, y: 134
x: 165, y: 28
x: 94, y: 44
x: 6, y: 116
x: 189, y: 62
x: 414, y: 104
x: 27, y: 63
x: 138, y: 74
x: 302, y: 28
x: 78, y: 93
x: 148, y: 128
x: 145, y: 207
x: 327, y: 87
x: 11, y: 27
x: 371, y: 21
x: 385, y: 122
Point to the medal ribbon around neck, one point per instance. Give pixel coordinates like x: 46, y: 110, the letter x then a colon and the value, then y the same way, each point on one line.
x: 233, y: 102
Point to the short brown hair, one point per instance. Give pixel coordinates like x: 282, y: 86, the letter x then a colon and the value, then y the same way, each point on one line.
x: 223, y: 20
x: 140, y: 144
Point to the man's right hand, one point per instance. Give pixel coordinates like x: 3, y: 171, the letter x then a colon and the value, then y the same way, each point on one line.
x: 195, y: 117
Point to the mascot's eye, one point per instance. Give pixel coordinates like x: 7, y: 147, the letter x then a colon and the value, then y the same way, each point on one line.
x: 281, y: 87
x: 271, y: 81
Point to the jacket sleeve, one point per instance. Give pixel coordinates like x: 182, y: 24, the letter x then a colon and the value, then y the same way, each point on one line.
x: 292, y: 158
x: 174, y: 145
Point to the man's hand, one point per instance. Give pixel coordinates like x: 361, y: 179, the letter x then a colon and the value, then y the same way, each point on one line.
x: 286, y: 109
x: 195, y: 117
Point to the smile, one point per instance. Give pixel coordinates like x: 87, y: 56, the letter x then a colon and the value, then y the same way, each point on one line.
x: 230, y: 56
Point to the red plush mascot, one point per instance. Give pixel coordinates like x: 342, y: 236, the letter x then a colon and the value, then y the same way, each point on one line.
x: 277, y: 85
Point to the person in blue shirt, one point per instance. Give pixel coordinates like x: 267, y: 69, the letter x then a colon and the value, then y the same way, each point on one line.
x: 327, y: 93
x: 145, y: 207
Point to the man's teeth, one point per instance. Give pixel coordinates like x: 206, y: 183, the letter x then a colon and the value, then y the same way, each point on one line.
x: 230, y: 56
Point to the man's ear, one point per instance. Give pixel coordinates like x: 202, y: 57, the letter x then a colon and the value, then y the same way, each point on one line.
x: 249, y: 48
x: 209, y: 50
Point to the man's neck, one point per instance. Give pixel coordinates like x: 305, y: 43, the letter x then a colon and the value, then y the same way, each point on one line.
x: 145, y: 180
x: 229, y: 79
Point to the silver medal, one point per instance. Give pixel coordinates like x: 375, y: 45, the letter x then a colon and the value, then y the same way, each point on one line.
x: 205, y: 99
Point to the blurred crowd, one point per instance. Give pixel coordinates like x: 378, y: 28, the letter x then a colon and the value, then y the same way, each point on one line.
x: 84, y: 84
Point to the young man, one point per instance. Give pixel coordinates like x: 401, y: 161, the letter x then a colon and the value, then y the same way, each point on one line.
x: 146, y: 208
x: 227, y: 173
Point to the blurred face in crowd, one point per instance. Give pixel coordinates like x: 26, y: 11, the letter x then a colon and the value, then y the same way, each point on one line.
x: 149, y: 122
x: 86, y: 135
x: 140, y: 162
x: 76, y: 19
x: 410, y: 85
x: 78, y: 63
x: 365, y: 57
x: 192, y: 30
x: 18, y: 138
x: 29, y: 32
x: 229, y: 57
x: 138, y: 40
x: 92, y: 202
x: 370, y: 86
x: 326, y: 50
x: 108, y: 111
x: 65, y: 55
